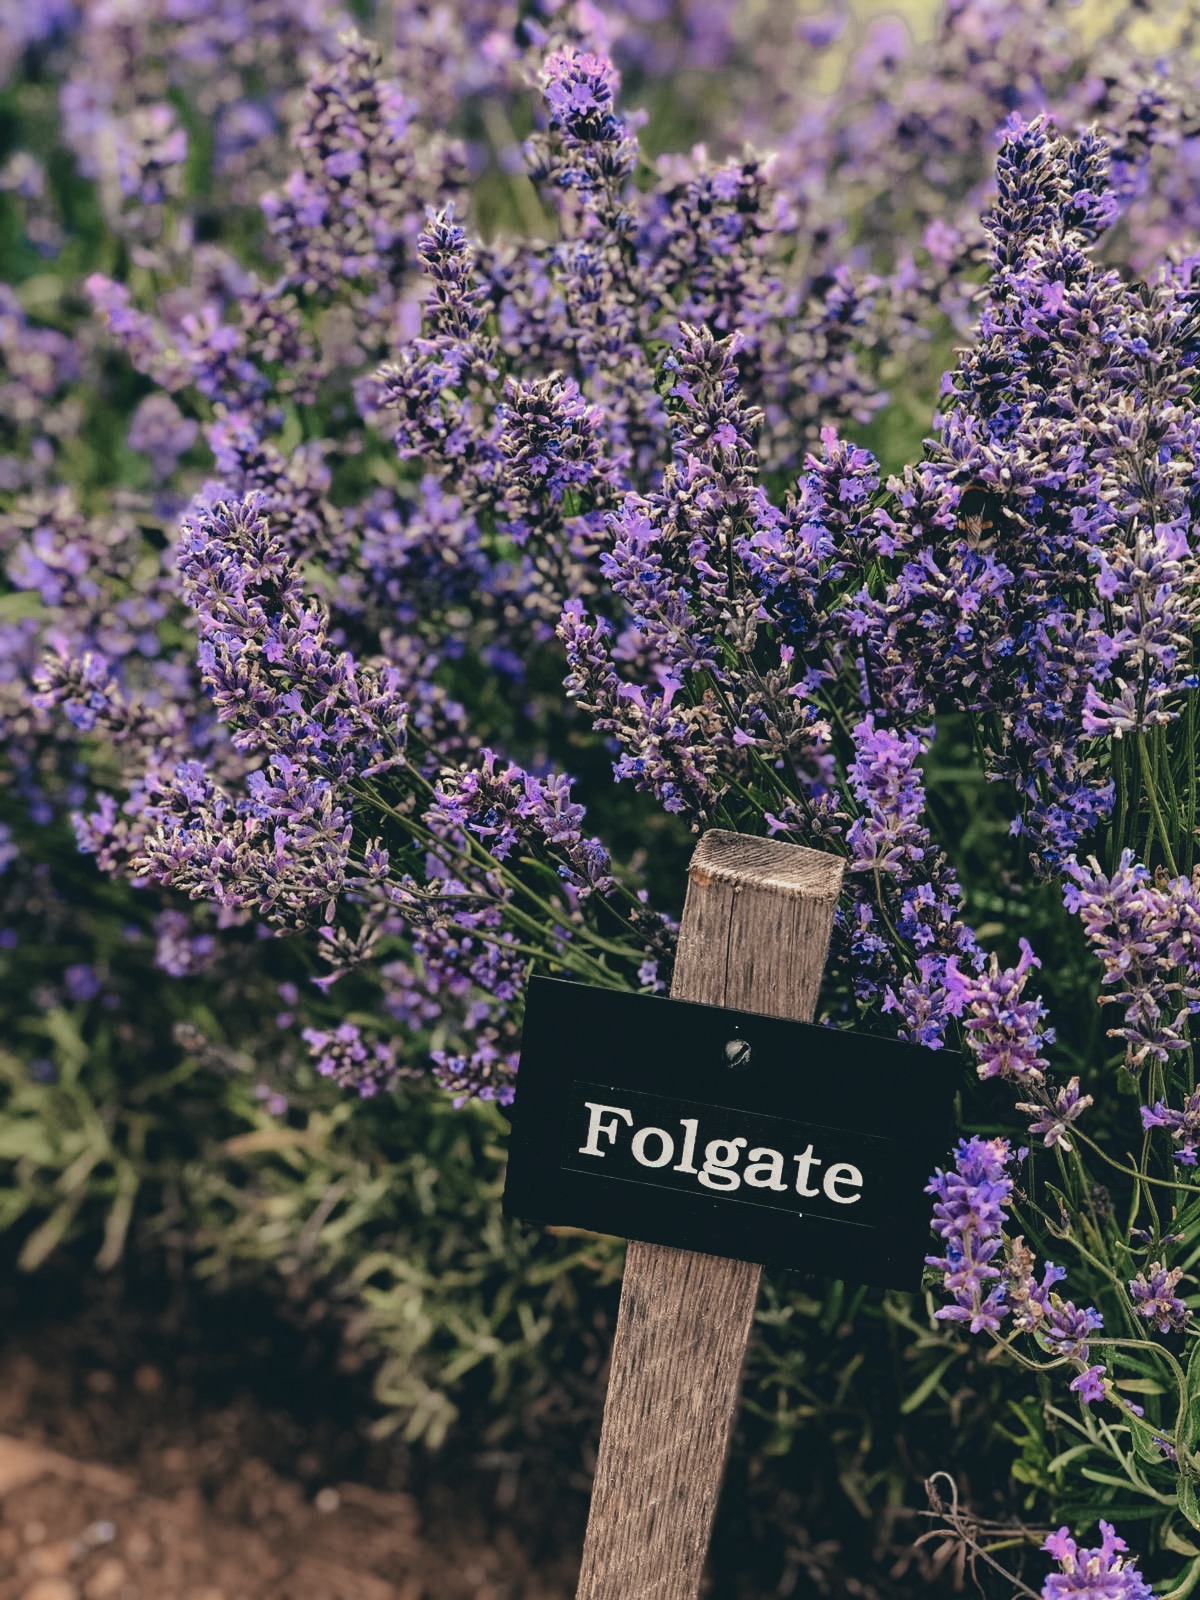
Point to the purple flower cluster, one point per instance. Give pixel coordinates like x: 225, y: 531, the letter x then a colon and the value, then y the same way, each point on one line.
x: 159, y: 429
x: 1056, y: 1113
x: 1145, y: 930
x: 1005, y: 1030
x: 265, y: 655
x: 917, y: 899
x: 510, y: 809
x: 348, y: 216
x: 1155, y: 1299
x: 993, y: 616
x: 151, y: 148
x: 1184, y: 1124
x: 589, y: 147
x: 990, y: 1277
x: 968, y: 1214
x: 283, y: 851
x: 180, y: 951
x: 352, y: 1059
x: 239, y: 63
x: 1104, y: 1571
x: 1061, y: 1327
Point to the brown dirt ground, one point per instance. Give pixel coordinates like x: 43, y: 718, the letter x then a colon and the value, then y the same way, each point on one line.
x: 122, y: 1483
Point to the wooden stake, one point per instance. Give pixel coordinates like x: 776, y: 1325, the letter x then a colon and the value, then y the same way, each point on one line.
x: 754, y: 936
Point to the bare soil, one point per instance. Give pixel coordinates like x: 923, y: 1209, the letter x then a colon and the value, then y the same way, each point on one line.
x: 134, y: 1473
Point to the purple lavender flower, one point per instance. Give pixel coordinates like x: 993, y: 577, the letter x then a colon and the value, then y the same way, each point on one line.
x: 1066, y: 1328
x: 1184, y: 1125
x: 1056, y: 1114
x: 1089, y: 1386
x: 485, y: 1072
x: 1150, y: 582
x: 265, y: 653
x: 283, y: 851
x: 589, y: 146
x: 349, y: 215
x: 1004, y: 1030
x: 159, y: 430
x: 353, y: 1059
x: 139, y: 334
x: 151, y: 148
x: 969, y: 1215
x: 509, y: 808
x: 1102, y: 1571
x: 1060, y: 1326
x: 1146, y: 934
x: 1155, y: 1298
x: 889, y: 837
x: 554, y: 465
x: 81, y: 982
x: 180, y: 950
x: 921, y: 1001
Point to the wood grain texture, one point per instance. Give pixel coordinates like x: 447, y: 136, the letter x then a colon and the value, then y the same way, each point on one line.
x: 754, y: 935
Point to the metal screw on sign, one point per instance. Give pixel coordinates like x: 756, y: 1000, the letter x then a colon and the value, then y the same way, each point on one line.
x: 737, y: 1054
x: 811, y: 1152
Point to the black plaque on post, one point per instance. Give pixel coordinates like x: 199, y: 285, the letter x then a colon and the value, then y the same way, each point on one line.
x: 727, y: 1132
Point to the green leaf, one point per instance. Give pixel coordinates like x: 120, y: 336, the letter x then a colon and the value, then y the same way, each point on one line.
x: 25, y: 1140
x: 1175, y: 1541
x: 46, y: 1238
x: 116, y: 1226
x: 62, y: 1029
x: 926, y: 1386
x: 1189, y: 1500
x: 1186, y: 1585
x: 1070, y: 1454
x: 1189, y: 1427
x: 1144, y: 1438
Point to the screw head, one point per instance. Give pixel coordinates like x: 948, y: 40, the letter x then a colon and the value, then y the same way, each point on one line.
x: 737, y: 1053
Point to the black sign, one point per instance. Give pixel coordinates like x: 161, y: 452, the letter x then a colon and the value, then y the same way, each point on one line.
x: 727, y: 1132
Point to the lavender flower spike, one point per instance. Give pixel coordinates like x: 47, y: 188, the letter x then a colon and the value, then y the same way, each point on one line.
x: 968, y: 1216
x: 1184, y: 1125
x: 1103, y: 1572
x: 1056, y: 1114
x: 1005, y: 1031
x: 1156, y: 1300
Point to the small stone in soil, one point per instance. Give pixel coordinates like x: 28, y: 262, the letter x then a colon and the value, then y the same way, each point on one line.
x: 138, y: 1545
x: 52, y: 1560
x: 51, y: 1589
x: 107, y: 1580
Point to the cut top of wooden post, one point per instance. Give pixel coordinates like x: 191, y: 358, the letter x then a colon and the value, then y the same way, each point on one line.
x: 754, y: 936
x: 756, y: 925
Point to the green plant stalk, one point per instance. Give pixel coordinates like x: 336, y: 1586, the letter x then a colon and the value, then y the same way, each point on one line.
x: 1151, y: 790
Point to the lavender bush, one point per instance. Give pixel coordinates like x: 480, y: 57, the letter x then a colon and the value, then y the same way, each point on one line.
x: 397, y: 452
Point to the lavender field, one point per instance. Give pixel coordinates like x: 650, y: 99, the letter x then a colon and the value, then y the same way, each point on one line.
x: 452, y: 455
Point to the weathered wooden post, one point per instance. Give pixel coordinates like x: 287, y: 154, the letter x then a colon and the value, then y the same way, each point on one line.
x: 754, y: 935
x: 614, y: 1087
